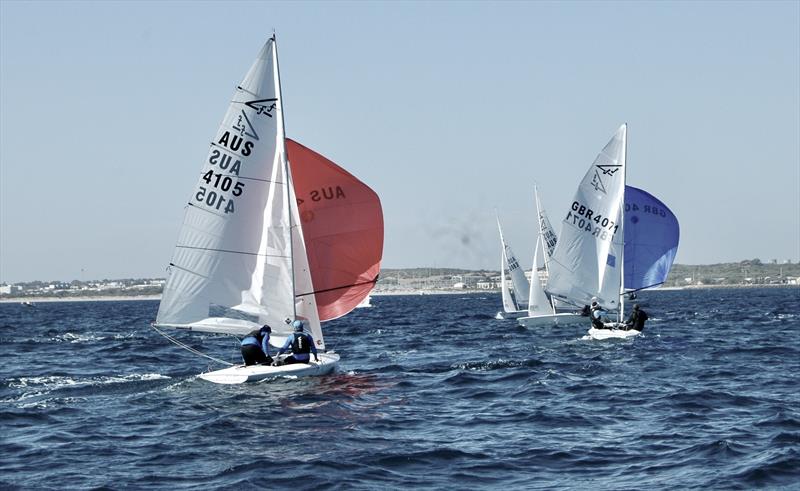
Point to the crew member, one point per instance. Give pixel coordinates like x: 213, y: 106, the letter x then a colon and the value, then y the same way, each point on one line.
x: 597, y: 313
x: 637, y: 318
x: 301, y: 345
x: 255, y: 347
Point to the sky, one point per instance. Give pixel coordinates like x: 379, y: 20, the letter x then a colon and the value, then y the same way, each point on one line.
x: 450, y: 111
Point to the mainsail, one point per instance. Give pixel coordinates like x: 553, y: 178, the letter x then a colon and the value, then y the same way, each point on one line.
x: 240, y: 256
x: 587, y: 259
x: 545, y: 230
x: 538, y: 303
x: 651, y: 239
x: 342, y: 224
x: 519, y: 283
x: 505, y: 288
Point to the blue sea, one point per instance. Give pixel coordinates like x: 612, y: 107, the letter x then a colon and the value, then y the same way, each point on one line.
x: 432, y: 393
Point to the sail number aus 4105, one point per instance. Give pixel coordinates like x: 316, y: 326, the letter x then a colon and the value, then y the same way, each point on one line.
x: 214, y: 198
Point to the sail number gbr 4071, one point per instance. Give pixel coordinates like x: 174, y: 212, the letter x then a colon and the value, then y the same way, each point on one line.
x: 218, y: 185
x: 584, y: 218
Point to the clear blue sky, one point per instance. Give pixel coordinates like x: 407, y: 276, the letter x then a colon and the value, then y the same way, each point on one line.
x: 447, y: 109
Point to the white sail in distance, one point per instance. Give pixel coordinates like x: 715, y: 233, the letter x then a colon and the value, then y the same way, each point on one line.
x: 508, y: 301
x: 546, y: 231
x: 519, y: 283
x: 587, y: 260
x: 538, y: 303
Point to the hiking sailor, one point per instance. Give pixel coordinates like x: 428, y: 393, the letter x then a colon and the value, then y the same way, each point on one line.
x: 636, y: 319
x: 300, y: 344
x: 255, y: 347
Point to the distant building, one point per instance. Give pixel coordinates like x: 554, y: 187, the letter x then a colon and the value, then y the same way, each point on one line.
x: 5, y: 289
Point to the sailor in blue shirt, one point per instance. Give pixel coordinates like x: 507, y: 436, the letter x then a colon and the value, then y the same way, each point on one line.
x: 255, y: 347
x: 300, y: 343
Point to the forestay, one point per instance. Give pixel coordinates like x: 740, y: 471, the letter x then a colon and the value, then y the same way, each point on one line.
x: 586, y: 261
x: 239, y: 249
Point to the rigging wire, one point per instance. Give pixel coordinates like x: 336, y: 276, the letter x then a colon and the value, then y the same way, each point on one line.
x: 189, y: 348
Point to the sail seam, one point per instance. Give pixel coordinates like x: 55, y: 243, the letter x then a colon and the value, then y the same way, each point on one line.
x: 188, y: 270
x: 230, y: 251
x: 206, y: 210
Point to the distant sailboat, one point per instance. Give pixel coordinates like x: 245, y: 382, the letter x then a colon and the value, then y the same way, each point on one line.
x: 256, y: 246
x: 514, y: 293
x: 542, y: 310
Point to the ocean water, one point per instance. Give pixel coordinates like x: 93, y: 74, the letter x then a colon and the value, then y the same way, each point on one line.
x: 432, y: 393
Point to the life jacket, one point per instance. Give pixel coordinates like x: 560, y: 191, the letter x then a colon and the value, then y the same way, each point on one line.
x: 256, y: 335
x: 596, y: 316
x: 301, y: 344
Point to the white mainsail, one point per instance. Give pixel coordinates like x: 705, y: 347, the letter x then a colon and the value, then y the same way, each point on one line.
x: 508, y: 301
x: 538, y: 303
x: 587, y: 260
x: 519, y: 283
x: 241, y: 247
x: 546, y: 231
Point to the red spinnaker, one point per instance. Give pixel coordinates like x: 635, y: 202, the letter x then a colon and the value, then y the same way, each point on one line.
x: 342, y: 224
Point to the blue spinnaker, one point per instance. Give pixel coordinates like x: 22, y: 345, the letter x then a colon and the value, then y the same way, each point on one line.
x: 651, y: 239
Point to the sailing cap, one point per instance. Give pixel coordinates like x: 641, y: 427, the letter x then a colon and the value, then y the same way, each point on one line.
x: 594, y: 299
x: 298, y: 325
x: 265, y: 328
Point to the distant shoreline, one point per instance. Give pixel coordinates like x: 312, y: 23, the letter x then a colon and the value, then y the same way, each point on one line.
x: 123, y: 298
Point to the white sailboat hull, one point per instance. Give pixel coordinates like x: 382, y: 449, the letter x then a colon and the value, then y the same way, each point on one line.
x: 514, y: 314
x: 601, y: 334
x: 564, y: 319
x: 240, y: 374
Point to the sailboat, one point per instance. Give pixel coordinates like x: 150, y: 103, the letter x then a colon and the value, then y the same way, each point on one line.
x: 517, y: 289
x: 590, y: 259
x: 259, y: 235
x: 542, y: 310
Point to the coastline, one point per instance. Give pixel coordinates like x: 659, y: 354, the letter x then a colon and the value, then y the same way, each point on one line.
x: 110, y: 298
x: 379, y: 293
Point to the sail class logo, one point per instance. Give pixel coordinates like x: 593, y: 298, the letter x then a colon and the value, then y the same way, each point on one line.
x: 263, y: 106
x: 597, y: 183
x: 608, y: 170
x: 244, y: 127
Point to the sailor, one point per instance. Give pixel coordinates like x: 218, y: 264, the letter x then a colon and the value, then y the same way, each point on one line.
x: 255, y: 347
x: 597, y: 313
x: 637, y: 318
x: 301, y: 345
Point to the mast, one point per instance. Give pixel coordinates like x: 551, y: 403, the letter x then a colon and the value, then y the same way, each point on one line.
x: 287, y: 176
x: 622, y: 228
